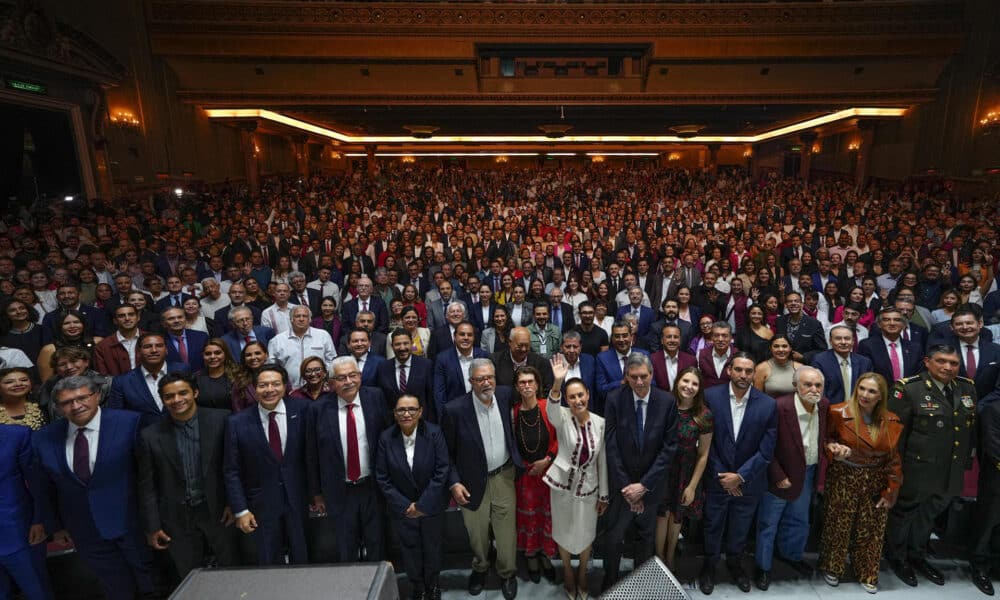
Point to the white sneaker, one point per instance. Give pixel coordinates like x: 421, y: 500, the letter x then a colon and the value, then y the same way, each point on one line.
x: 831, y: 580
x: 871, y: 588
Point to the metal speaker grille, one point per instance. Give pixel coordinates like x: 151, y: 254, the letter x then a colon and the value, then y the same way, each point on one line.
x: 651, y: 581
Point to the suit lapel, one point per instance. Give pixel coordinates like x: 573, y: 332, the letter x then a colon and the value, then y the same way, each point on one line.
x: 258, y: 432
x: 168, y: 445
x: 726, y: 417
x: 104, y: 439
x: 205, y: 442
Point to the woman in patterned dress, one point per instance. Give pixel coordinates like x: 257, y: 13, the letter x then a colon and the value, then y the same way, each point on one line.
x: 685, y: 495
x: 15, y: 405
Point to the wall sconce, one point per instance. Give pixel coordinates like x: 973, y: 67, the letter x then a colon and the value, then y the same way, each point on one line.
x: 502, y: 159
x: 853, y: 146
x: 408, y: 160
x: 596, y: 159
x: 256, y: 149
x: 336, y: 155
x: 748, y: 154
x: 816, y: 148
x: 990, y: 122
x: 674, y: 156
x: 124, y: 119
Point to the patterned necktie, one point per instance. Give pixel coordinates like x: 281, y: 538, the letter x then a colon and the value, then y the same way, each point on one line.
x: 81, y: 456
x: 274, y: 435
x: 970, y: 361
x: 402, y: 379
x: 353, y: 456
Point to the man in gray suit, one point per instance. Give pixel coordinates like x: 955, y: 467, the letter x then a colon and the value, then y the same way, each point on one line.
x: 437, y: 308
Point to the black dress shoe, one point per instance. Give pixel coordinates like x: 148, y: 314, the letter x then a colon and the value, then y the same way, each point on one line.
x: 508, y: 587
x: 762, y: 579
x: 418, y: 595
x: 476, y: 582
x: 534, y: 576
x: 927, y: 570
x: 739, y: 576
x: 706, y: 580
x: 801, y: 567
x: 549, y: 572
x: 982, y: 580
x: 904, y: 571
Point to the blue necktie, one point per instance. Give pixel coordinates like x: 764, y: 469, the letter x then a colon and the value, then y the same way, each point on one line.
x: 640, y: 426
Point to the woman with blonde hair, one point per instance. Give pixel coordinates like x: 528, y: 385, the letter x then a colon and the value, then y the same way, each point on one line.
x: 862, y: 481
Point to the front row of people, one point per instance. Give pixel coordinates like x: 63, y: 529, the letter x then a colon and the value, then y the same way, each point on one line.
x: 730, y: 452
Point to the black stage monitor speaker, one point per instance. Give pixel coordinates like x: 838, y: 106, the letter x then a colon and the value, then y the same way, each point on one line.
x: 651, y: 581
x: 369, y: 581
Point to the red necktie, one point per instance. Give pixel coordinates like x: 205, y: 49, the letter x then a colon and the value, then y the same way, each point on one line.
x: 402, y: 378
x: 970, y: 362
x: 274, y: 435
x: 353, y: 458
x: 364, y: 306
x: 182, y: 349
x: 247, y: 339
x: 81, y: 456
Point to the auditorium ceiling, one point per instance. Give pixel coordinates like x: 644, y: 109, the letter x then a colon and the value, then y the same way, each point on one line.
x: 508, y: 69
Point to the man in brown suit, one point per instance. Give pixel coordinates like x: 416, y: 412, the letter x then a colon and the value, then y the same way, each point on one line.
x: 797, y: 469
x: 115, y: 354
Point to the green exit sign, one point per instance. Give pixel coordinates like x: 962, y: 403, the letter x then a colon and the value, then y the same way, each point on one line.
x: 26, y: 86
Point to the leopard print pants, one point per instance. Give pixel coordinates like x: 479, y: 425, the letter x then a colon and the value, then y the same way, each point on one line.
x: 851, y: 518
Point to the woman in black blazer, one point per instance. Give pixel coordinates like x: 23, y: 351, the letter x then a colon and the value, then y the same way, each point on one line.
x: 411, y: 467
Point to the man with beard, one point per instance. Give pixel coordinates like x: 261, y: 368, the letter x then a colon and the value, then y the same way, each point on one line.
x: 670, y: 317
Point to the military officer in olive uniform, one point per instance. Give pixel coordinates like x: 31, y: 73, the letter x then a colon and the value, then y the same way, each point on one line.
x: 938, y: 410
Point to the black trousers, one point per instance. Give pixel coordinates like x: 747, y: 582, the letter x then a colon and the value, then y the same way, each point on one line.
x: 620, y: 519
x: 421, y: 540
x: 274, y: 536
x: 199, y: 533
x: 359, y: 524
x: 910, y: 524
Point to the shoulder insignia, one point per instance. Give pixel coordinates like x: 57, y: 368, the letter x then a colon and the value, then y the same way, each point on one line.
x: 965, y: 379
x: 909, y: 380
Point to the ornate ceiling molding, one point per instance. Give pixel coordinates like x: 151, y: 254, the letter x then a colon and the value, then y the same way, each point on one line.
x: 835, y: 97
x: 27, y: 33
x: 560, y: 20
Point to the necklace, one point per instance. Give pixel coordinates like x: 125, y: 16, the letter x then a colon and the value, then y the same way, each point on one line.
x: 527, y: 424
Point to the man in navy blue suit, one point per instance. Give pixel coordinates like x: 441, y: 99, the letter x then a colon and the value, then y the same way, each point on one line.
x: 580, y: 365
x: 175, y: 294
x: 635, y: 306
x: 137, y: 390
x: 360, y: 346
x: 68, y: 296
x: 746, y: 430
x: 85, y: 480
x: 264, y: 470
x: 610, y: 363
x: 407, y: 374
x: 22, y: 526
x: 366, y: 301
x: 840, y: 366
x: 412, y: 469
x: 892, y: 356
x: 341, y: 439
x: 183, y: 345
x: 484, y: 455
x: 242, y: 331
x: 451, y: 367
x: 641, y: 439
x: 980, y: 359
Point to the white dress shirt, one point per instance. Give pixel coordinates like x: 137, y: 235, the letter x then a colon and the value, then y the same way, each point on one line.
x: 153, y: 384
x: 739, y: 409
x: 809, y: 429
x: 671, y: 364
x: 359, y: 420
x: 289, y: 350
x: 574, y: 370
x: 465, y: 362
x: 93, y: 437
x: 129, y: 345
x: 277, y: 318
x: 410, y: 446
x: 645, y: 408
x: 492, y: 432
x: 720, y: 362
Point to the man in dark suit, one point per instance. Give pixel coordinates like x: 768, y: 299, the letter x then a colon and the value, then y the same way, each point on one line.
x: 175, y: 294
x: 242, y: 331
x: 484, y: 456
x: 914, y: 332
x: 641, y: 439
x: 301, y: 294
x: 366, y: 302
x: 804, y: 332
x: 437, y: 308
x: 669, y: 360
x: 344, y: 485
x: 841, y: 367
x: 84, y: 476
x: 560, y: 313
x: 644, y: 314
x: 237, y: 298
x: 182, y: 499
x: 670, y: 317
x: 358, y: 255
x: 22, y: 559
x: 797, y: 469
x: 265, y: 472
x: 792, y: 251
x: 183, y: 345
x: 980, y: 358
x: 451, y: 367
x: 746, y: 425
x: 68, y: 296
x: 611, y: 362
x: 359, y: 344
x: 519, y: 353
x: 713, y: 359
x: 414, y: 483
x: 579, y: 365
x: 137, y: 390
x: 892, y: 357
x: 407, y: 374
x: 499, y: 246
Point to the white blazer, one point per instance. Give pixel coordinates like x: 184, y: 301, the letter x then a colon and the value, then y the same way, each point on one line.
x: 564, y: 473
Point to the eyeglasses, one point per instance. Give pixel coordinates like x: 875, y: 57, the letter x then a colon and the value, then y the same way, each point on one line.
x: 343, y: 378
x: 526, y: 382
x: 482, y: 379
x: 407, y: 410
x: 77, y: 400
x: 316, y: 371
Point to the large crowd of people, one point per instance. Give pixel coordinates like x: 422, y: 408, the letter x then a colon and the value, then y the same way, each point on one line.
x: 581, y: 360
